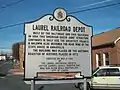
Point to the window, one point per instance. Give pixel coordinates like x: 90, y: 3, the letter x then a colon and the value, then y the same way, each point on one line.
x: 102, y: 72
x: 99, y: 60
x: 114, y: 72
x: 108, y: 72
x: 107, y: 58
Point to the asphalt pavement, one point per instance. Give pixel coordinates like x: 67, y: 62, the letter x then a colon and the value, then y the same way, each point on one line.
x: 15, y: 82
x: 10, y: 81
x: 5, y: 66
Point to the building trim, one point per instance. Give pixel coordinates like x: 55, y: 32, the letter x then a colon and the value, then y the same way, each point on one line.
x: 116, y: 40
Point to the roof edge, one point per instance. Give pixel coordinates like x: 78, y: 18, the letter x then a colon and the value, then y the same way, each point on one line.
x: 106, y: 44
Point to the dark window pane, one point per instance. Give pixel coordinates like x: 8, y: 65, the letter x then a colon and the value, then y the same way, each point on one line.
x: 114, y: 72
x: 106, y: 58
x: 99, y: 63
x: 106, y: 55
x: 99, y: 57
x: 102, y: 72
x: 107, y: 62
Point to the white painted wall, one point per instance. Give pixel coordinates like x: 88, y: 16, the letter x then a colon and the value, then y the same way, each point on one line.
x: 97, y: 60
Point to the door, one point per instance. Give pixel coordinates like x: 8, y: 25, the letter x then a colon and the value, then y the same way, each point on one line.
x: 113, y: 78
x: 99, y: 79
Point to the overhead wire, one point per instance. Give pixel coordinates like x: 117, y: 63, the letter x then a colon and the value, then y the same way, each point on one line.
x: 74, y: 12
x: 11, y: 4
x: 11, y: 25
x: 93, y: 4
x: 94, y: 8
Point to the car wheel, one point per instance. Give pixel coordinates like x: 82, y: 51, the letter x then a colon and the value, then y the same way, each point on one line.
x: 80, y: 86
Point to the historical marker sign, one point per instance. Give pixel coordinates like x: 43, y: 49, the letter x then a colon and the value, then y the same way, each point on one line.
x: 57, y: 43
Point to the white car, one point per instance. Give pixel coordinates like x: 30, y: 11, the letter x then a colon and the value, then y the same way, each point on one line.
x: 104, y: 77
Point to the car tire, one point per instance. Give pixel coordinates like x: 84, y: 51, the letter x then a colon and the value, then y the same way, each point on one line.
x: 80, y: 86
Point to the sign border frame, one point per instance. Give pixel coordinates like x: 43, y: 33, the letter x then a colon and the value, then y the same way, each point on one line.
x: 32, y: 21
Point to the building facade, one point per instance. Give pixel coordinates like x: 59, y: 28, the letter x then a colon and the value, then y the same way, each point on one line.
x: 18, y: 54
x: 106, y: 48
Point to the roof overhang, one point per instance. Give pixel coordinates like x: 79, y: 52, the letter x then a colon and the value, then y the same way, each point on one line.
x: 104, y: 45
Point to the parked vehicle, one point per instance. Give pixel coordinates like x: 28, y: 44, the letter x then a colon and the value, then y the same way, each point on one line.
x: 104, y: 77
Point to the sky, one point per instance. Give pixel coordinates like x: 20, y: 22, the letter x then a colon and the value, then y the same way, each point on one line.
x: 12, y: 13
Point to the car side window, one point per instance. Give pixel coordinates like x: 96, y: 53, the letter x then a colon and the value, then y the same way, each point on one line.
x: 102, y: 72
x: 108, y: 72
x: 114, y: 72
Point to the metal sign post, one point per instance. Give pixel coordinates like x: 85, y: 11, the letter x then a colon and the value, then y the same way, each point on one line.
x: 85, y: 83
x: 32, y: 85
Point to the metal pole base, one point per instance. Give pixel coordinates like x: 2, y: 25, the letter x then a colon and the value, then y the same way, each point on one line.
x: 32, y: 84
